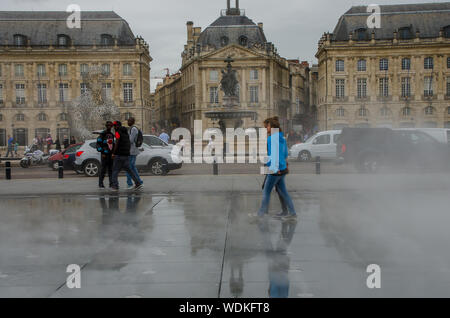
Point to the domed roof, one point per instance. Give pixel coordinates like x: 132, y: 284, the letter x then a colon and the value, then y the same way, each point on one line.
x: 232, y: 29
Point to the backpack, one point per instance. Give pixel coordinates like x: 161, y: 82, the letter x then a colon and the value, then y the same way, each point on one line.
x: 139, y: 138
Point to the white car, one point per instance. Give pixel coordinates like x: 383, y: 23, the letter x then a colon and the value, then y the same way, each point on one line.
x: 156, y: 159
x: 321, y: 145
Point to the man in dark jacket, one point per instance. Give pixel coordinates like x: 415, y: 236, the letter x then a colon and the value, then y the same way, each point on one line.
x: 121, y: 156
x: 105, y: 145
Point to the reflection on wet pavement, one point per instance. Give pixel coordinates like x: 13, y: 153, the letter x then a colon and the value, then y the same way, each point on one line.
x: 197, y: 245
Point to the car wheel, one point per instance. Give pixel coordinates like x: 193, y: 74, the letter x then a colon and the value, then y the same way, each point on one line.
x: 91, y: 168
x: 158, y: 167
x: 371, y: 163
x: 304, y: 156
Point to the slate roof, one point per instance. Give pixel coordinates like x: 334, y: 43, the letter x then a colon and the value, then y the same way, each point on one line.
x: 428, y: 18
x: 43, y: 27
x: 232, y: 27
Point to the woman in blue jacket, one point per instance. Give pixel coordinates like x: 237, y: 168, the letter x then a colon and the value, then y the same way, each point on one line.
x: 277, y: 152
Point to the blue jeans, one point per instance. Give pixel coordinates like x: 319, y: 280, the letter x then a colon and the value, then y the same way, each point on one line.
x: 133, y: 168
x: 272, y: 182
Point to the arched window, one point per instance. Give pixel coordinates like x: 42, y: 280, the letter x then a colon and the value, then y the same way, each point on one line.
x: 340, y: 112
x: 406, y: 111
x: 107, y: 40
x: 20, y: 117
x: 20, y: 40
x: 243, y: 40
x: 362, y: 112
x: 127, y: 116
x: 63, y: 117
x: 42, y: 117
x: 340, y: 66
x: 405, y: 33
x: 429, y: 110
x: 224, y: 41
x: 63, y: 40
x: 362, y: 65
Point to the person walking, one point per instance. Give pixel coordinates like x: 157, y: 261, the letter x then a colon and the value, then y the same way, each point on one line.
x: 134, y: 152
x: 10, y: 146
x: 105, y: 145
x: 49, y: 142
x: 16, y: 148
x: 66, y: 142
x: 121, y: 156
x: 278, y: 169
x: 58, y: 144
x: 164, y: 136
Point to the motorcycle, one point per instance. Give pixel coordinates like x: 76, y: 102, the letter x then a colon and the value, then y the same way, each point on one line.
x: 32, y: 157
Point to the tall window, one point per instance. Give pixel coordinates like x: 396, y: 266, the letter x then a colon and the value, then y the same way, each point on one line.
x: 63, y: 117
x: 83, y: 88
x: 428, y: 63
x: 3, y: 138
x: 362, y: 112
x: 384, y: 87
x: 362, y: 66
x: 340, y: 88
x: 406, y: 87
x: 20, y: 94
x: 106, y: 91
x: 20, y: 135
x: 213, y: 76
x: 127, y: 71
x: 340, y: 66
x: 254, y: 94
x: 127, y: 116
x: 448, y: 62
x: 128, y: 92
x: 254, y: 75
x: 20, y: 117
x: 1, y: 93
x: 406, y: 111
x: 41, y: 70
x: 448, y: 87
x: 42, y: 117
x: 406, y: 64
x: 384, y: 65
x: 106, y: 69
x: 42, y: 93
x: 362, y: 87
x: 340, y: 112
x: 0, y: 71
x: 213, y: 95
x: 63, y: 92
x: 19, y: 70
x: 62, y: 69
x: 428, y: 86
x: 429, y: 110
x: 84, y: 69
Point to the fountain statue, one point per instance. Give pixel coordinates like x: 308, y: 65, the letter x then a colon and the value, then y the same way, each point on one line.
x: 229, y: 85
x: 88, y: 112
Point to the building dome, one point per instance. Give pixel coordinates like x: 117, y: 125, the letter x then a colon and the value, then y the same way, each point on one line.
x: 232, y: 29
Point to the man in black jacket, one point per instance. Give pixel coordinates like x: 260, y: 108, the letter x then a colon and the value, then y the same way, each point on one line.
x: 121, y: 156
x: 105, y: 145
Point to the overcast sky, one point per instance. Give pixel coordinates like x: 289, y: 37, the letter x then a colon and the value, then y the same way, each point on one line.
x: 294, y: 26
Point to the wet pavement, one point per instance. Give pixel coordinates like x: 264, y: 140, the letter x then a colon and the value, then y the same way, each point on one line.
x: 203, y: 244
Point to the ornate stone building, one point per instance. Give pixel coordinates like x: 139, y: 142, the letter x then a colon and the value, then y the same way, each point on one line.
x: 395, y: 76
x: 268, y: 84
x: 42, y: 63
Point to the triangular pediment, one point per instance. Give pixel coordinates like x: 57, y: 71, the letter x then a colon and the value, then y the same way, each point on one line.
x: 235, y: 51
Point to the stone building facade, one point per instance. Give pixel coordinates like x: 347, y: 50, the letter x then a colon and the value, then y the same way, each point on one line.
x: 42, y: 63
x: 269, y: 85
x: 394, y: 76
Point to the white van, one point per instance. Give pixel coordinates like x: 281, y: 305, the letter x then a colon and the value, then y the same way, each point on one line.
x: 440, y: 134
x: 321, y: 145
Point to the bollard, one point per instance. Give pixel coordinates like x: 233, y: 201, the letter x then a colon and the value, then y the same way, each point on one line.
x: 215, y: 167
x: 60, y: 169
x: 318, y: 165
x: 8, y: 170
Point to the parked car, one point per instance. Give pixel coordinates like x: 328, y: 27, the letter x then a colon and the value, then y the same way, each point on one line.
x: 156, y: 159
x: 442, y: 135
x: 67, y: 156
x: 321, y: 145
x: 371, y: 148
x: 156, y: 142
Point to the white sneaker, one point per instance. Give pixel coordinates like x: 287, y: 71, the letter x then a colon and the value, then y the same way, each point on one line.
x: 130, y: 187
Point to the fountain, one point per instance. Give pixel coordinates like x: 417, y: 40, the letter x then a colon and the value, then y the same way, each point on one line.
x: 88, y: 112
